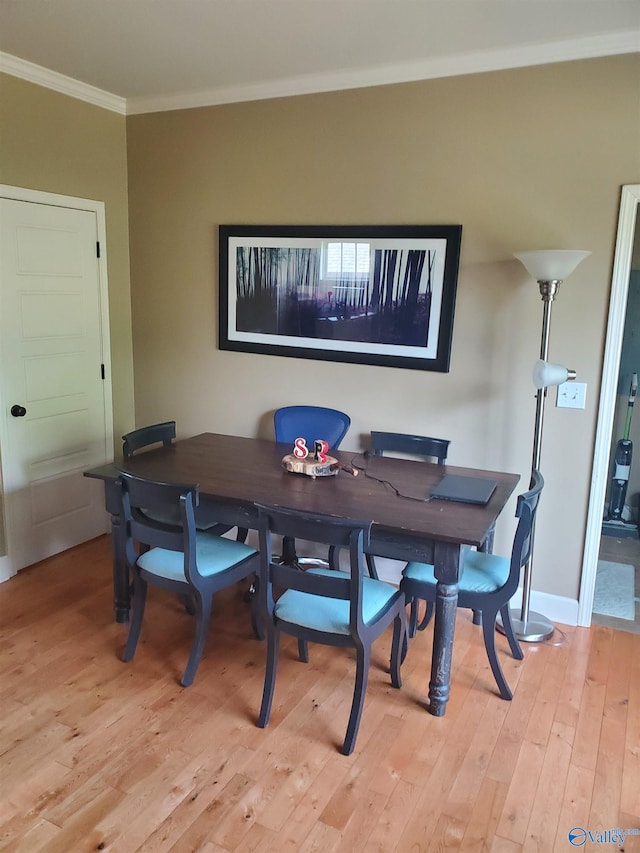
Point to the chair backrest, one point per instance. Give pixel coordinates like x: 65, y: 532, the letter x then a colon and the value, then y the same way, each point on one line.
x: 141, y: 499
x: 417, y: 445
x: 154, y: 434
x: 320, y: 529
x: 310, y: 423
x: 526, y: 509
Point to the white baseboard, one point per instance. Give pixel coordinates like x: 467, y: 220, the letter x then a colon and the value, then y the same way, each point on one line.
x: 557, y: 608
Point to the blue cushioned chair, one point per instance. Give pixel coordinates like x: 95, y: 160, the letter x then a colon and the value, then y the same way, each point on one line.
x: 428, y: 448
x: 164, y: 433
x: 193, y: 564
x: 431, y: 450
x: 325, y: 606
x: 488, y: 581
x: 310, y: 423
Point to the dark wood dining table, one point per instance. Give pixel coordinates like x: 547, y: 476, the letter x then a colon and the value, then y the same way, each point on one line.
x: 233, y: 473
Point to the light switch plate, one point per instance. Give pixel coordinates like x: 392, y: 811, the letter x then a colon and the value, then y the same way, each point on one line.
x: 572, y: 395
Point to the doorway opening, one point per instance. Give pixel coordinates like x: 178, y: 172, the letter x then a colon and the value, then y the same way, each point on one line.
x: 622, y: 552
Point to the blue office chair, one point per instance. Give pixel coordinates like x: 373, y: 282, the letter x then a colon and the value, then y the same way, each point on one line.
x: 191, y: 563
x: 487, y: 582
x: 324, y: 606
x: 310, y: 423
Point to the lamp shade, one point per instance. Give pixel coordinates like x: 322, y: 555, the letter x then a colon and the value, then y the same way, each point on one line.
x: 545, y: 374
x: 551, y: 264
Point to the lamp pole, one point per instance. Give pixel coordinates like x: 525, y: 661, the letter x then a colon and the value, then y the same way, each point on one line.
x: 549, y: 268
x: 530, y: 626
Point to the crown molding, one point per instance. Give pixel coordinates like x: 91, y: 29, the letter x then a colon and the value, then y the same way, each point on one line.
x: 33, y: 73
x: 607, y: 44
x: 448, y: 66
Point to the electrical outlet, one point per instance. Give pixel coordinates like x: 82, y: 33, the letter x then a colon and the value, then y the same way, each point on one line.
x: 572, y: 395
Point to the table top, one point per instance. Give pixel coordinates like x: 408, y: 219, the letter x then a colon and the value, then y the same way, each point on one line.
x: 393, y: 493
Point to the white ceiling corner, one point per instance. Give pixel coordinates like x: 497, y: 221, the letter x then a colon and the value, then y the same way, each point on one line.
x: 138, y: 56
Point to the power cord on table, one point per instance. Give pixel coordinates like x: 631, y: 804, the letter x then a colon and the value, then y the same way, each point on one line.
x: 364, y: 468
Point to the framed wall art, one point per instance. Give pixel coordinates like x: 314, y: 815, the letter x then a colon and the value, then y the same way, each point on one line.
x: 381, y: 295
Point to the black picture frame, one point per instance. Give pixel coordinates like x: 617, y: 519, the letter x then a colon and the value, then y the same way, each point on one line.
x: 380, y: 295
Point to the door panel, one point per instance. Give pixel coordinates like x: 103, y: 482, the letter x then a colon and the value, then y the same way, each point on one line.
x: 51, y: 338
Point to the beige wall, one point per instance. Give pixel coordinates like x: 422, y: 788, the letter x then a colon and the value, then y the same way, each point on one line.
x: 57, y: 144
x: 523, y: 159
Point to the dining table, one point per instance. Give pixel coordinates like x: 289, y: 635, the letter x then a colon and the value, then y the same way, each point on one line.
x: 233, y: 473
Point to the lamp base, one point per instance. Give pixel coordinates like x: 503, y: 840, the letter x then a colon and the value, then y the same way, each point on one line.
x: 534, y: 630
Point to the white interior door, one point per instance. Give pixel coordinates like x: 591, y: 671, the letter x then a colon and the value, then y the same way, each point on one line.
x: 55, y: 402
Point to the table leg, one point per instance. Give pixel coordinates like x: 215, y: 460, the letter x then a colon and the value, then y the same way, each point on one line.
x: 446, y: 562
x: 121, y: 591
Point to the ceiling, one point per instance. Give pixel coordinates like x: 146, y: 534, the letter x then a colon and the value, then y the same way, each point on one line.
x: 166, y: 54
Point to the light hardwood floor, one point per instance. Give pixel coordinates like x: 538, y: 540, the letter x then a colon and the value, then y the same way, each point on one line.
x: 102, y: 755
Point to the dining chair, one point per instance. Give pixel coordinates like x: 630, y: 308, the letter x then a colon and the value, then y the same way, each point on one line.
x: 487, y: 582
x: 147, y: 436
x: 430, y: 449
x: 337, y: 608
x: 310, y: 423
x: 164, y: 433
x: 424, y: 446
x: 195, y: 564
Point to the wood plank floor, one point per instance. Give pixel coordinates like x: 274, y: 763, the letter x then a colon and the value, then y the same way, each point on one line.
x: 101, y: 755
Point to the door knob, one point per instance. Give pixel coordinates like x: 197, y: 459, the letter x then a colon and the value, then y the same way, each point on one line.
x: 18, y: 411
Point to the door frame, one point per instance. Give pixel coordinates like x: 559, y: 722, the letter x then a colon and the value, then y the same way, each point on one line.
x: 629, y: 201
x: 98, y: 208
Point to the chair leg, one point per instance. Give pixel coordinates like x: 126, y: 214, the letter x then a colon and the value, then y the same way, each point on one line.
x: 137, y: 614
x: 256, y: 620
x: 289, y: 555
x: 363, y: 656
x: 414, y: 625
x: 203, y: 615
x: 405, y: 645
x: 273, y: 641
x: 189, y: 606
x: 413, y: 617
x: 489, y: 632
x: 241, y: 535
x: 397, y: 647
x: 303, y: 650
x: 516, y: 648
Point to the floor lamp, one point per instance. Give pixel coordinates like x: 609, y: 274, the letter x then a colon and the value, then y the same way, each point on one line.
x: 549, y: 267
